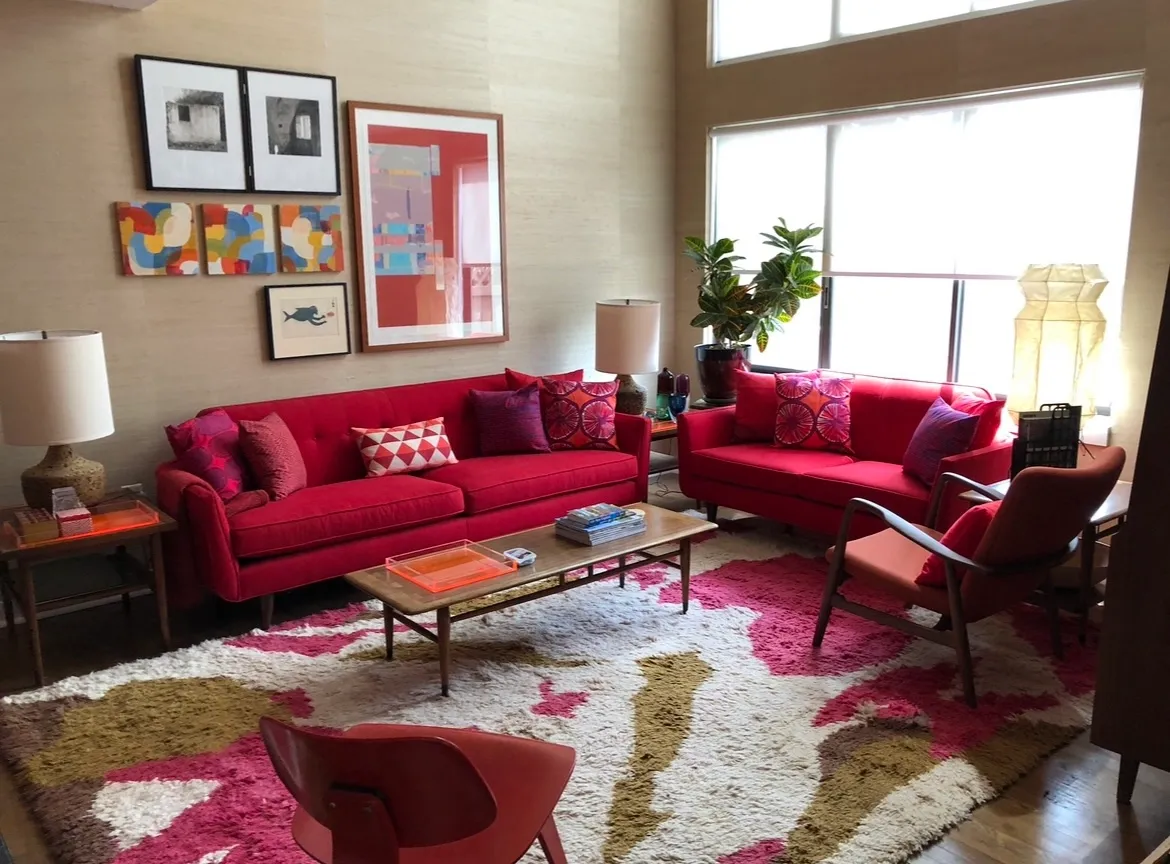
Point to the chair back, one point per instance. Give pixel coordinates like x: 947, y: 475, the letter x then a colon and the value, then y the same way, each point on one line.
x: 1043, y: 512
x: 397, y: 792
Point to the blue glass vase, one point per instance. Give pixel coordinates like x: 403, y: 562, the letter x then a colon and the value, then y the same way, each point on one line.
x: 678, y: 404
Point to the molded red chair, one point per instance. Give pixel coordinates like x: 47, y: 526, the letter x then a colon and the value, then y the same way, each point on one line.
x: 420, y: 794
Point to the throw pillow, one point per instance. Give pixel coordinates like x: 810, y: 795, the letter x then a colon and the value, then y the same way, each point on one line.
x: 405, y: 449
x: 579, y: 416
x: 509, y: 421
x: 515, y: 380
x: 962, y: 537
x: 273, y: 456
x: 813, y: 413
x: 990, y: 414
x: 208, y: 446
x: 943, y: 432
x: 245, y: 501
x: 756, y: 404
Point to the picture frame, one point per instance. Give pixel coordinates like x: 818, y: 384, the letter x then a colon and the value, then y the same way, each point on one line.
x: 307, y: 320
x: 428, y: 214
x: 292, y: 132
x: 192, y: 124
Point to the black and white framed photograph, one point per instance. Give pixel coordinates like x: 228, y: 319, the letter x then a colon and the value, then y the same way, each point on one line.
x: 192, y: 118
x: 292, y: 126
x: 307, y: 320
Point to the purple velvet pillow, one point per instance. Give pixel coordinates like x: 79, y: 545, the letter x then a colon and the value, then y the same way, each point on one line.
x: 208, y: 446
x: 943, y: 432
x: 509, y: 421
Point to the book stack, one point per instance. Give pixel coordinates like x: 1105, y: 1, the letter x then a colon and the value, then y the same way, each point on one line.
x: 600, y: 523
x: 35, y: 525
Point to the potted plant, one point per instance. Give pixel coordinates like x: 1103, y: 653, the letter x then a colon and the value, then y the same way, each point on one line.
x: 740, y: 313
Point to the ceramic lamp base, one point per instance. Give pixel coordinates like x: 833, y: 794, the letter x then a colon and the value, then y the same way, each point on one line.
x: 62, y: 467
x: 631, y: 396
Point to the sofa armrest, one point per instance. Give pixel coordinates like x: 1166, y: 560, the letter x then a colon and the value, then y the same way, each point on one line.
x: 699, y: 430
x: 201, y: 553
x: 988, y: 465
x: 633, y: 437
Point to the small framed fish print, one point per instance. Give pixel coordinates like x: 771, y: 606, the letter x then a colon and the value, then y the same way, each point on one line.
x: 307, y: 320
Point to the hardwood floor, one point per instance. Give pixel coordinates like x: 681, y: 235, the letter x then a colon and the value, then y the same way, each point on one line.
x: 1062, y: 812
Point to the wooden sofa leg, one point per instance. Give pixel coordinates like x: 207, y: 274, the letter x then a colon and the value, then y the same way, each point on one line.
x: 267, y: 607
x: 712, y: 511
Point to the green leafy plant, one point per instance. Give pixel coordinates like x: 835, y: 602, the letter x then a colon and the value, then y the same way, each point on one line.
x: 739, y: 312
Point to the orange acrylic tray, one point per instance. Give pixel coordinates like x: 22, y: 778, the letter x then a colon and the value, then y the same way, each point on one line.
x: 109, y: 518
x: 451, y: 566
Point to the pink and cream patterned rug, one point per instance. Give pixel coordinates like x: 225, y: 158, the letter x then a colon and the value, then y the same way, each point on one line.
x: 719, y: 736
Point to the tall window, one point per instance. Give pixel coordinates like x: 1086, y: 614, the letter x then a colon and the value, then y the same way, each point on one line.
x: 930, y: 214
x: 744, y: 28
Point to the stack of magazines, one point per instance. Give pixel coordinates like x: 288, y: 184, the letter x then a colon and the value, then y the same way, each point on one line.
x: 600, y: 523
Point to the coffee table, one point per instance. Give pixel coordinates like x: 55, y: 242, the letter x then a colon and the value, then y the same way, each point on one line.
x: 555, y: 558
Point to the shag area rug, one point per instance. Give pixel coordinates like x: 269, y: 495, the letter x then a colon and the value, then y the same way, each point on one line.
x: 718, y: 736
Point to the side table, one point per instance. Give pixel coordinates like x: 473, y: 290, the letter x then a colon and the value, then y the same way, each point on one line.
x: 1106, y: 522
x: 663, y: 430
x: 22, y: 559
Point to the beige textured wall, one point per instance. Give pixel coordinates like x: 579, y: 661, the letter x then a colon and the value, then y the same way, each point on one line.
x: 1074, y: 39
x: 586, y: 90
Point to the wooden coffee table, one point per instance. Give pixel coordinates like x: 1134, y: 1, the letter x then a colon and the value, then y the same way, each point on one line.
x: 555, y: 557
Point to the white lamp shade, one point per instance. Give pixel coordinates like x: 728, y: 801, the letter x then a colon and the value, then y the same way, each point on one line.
x: 53, y: 388
x: 627, y: 336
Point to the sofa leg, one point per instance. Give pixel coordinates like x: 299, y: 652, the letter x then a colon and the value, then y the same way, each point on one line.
x: 267, y: 607
x: 712, y: 511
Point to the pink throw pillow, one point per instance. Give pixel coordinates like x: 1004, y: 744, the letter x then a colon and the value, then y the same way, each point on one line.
x: 515, y: 380
x: 756, y: 404
x: 509, y: 421
x: 273, y: 455
x: 813, y: 413
x: 963, y: 537
x: 405, y: 449
x: 990, y: 414
x: 580, y: 415
x: 208, y: 446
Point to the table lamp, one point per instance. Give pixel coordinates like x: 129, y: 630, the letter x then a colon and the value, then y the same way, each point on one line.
x: 54, y: 392
x: 627, y: 345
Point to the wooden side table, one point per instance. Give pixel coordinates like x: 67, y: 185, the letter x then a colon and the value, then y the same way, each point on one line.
x: 22, y: 559
x: 663, y: 430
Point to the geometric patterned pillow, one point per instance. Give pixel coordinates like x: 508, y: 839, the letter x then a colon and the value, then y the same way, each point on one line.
x: 579, y: 415
x: 813, y: 413
x: 405, y: 449
x: 208, y: 446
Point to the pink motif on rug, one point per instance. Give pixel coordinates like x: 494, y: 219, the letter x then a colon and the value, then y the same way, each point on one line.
x: 313, y: 645
x: 786, y: 592
x: 911, y: 692
x: 553, y: 704
x: 764, y: 852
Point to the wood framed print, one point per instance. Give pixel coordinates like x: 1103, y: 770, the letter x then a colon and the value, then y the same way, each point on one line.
x: 428, y: 200
x: 292, y: 132
x: 192, y: 125
x: 307, y: 320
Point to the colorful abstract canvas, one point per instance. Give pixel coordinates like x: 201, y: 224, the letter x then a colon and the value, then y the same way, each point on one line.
x: 310, y: 239
x: 158, y: 238
x: 240, y: 239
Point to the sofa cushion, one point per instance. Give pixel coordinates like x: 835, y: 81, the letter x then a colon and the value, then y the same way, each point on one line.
x: 883, y: 483
x: 812, y: 413
x: 321, y: 515
x: 755, y: 406
x: 491, y: 482
x: 943, y: 432
x: 509, y: 421
x: 272, y: 455
x: 515, y: 380
x: 762, y: 466
x: 405, y: 449
x: 989, y: 412
x: 208, y: 446
x: 579, y: 415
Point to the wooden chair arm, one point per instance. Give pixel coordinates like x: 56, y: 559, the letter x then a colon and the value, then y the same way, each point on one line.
x: 940, y: 485
x: 906, y: 529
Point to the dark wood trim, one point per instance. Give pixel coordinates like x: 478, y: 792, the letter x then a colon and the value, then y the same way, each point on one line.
x: 267, y: 610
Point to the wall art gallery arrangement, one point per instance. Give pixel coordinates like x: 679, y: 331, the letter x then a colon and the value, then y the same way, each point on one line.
x: 239, y: 239
x: 307, y: 320
x: 158, y: 238
x: 310, y: 239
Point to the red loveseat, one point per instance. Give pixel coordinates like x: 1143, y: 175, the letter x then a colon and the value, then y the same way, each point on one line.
x: 344, y: 521
x: 810, y: 488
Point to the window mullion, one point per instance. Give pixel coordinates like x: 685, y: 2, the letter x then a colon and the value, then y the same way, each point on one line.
x: 835, y: 20
x: 826, y: 344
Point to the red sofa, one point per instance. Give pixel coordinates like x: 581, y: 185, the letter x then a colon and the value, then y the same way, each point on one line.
x: 344, y: 521
x: 810, y: 488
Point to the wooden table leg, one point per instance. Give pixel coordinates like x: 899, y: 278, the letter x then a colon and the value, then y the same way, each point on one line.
x: 6, y: 598
x: 684, y: 566
x: 120, y: 553
x: 1088, y: 553
x: 159, y: 571
x: 388, y: 622
x: 444, y: 621
x: 622, y: 574
x: 1127, y: 779
x: 29, y: 596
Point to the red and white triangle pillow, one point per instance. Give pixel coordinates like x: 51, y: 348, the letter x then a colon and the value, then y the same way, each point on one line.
x: 413, y: 447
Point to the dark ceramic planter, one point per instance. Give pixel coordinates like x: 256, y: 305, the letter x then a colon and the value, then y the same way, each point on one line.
x: 717, y: 366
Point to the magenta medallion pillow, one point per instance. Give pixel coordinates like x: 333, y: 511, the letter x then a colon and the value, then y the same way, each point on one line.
x: 813, y: 413
x: 208, y: 446
x: 943, y: 432
x: 273, y: 456
x: 579, y: 415
x: 509, y: 421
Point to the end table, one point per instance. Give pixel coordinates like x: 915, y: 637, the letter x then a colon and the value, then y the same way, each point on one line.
x: 117, y: 534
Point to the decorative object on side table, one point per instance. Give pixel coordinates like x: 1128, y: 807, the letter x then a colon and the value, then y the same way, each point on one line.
x: 1050, y: 437
x: 192, y: 125
x: 240, y: 239
x: 157, y: 238
x: 682, y: 393
x: 428, y: 198
x: 741, y: 314
x: 292, y: 124
x: 626, y: 345
x: 54, y: 392
x: 664, y: 392
x: 307, y: 320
